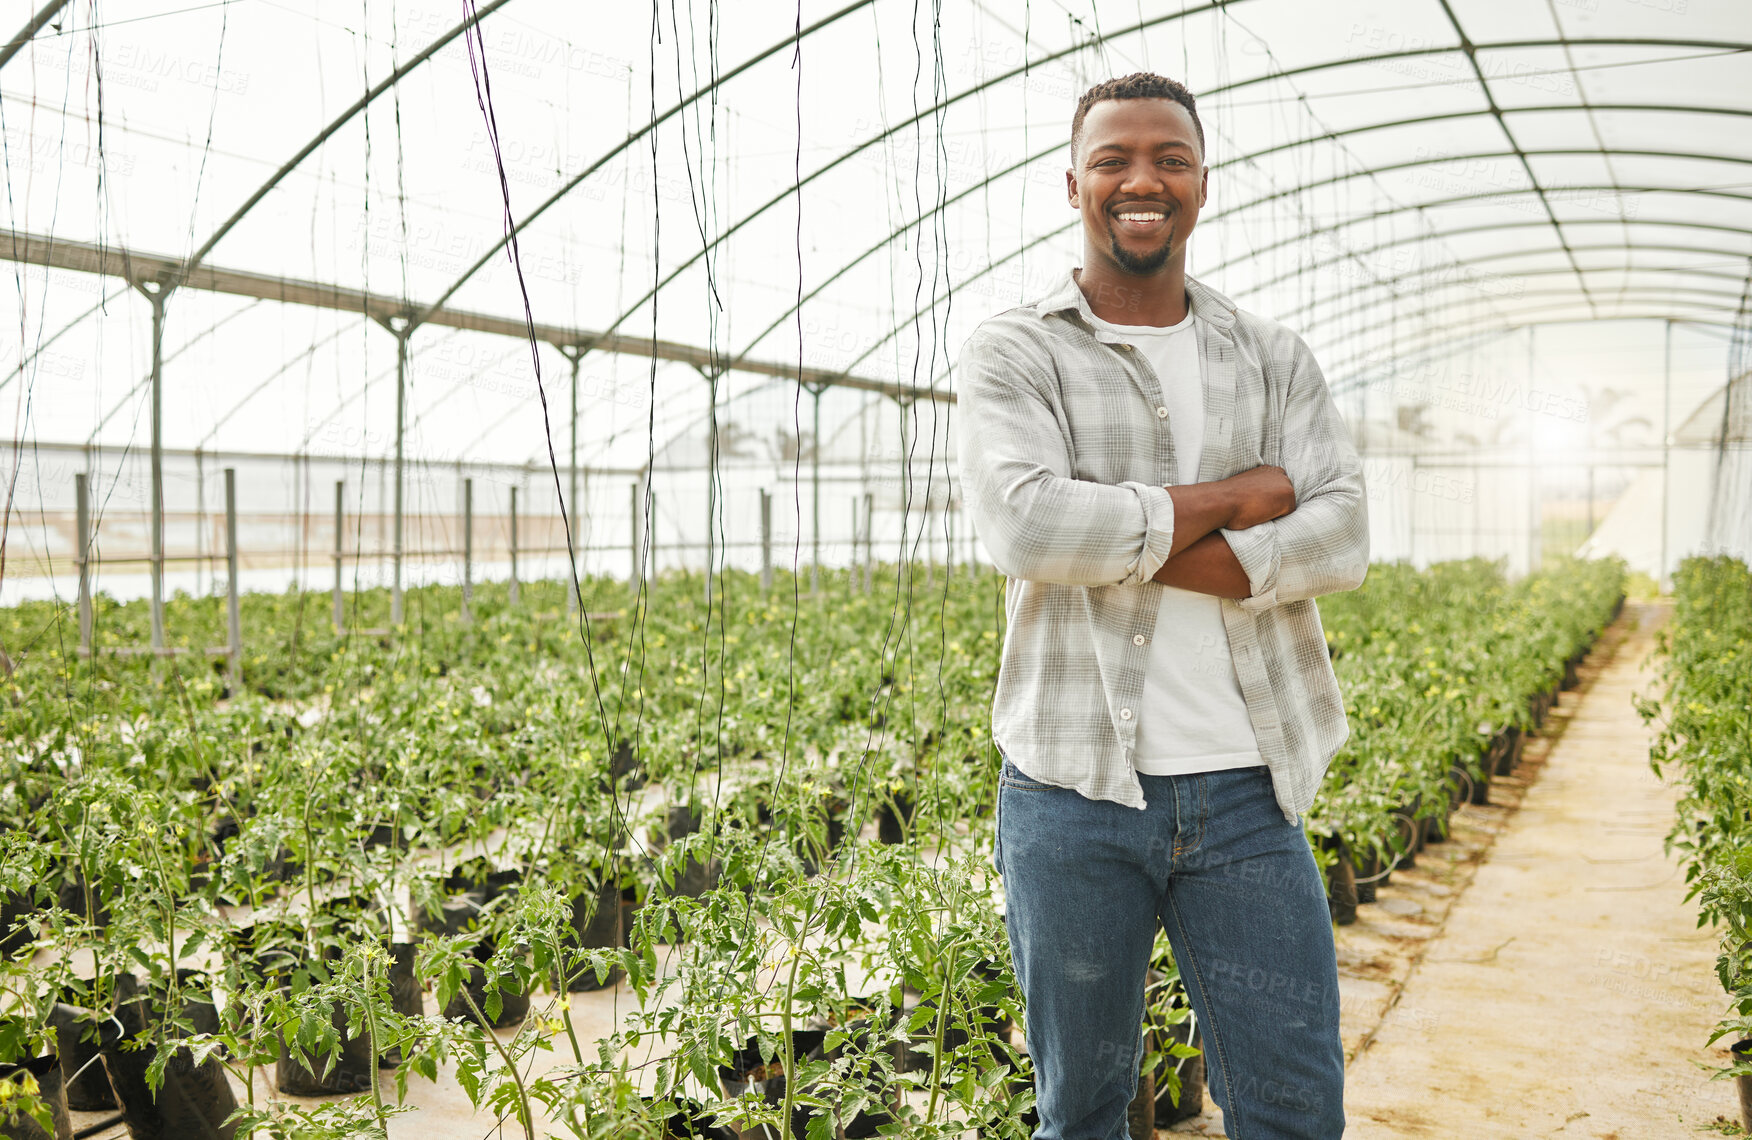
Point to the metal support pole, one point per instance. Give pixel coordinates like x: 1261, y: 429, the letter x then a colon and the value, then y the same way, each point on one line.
x: 852, y: 548
x: 711, y: 481
x: 401, y: 422
x: 815, y: 497
x: 869, y: 537
x: 467, y: 549
x: 633, y: 528
x: 574, y: 356
x: 233, y: 618
x: 82, y: 529
x: 930, y: 557
x: 1411, y: 517
x: 1534, y: 519
x: 766, y: 541
x: 513, y: 595
x: 200, y: 520
x: 340, y: 615
x: 900, y: 558
x: 155, y: 293
x: 948, y: 541
x: 1667, y: 447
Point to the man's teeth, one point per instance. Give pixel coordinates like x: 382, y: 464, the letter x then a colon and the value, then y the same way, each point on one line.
x: 1141, y: 216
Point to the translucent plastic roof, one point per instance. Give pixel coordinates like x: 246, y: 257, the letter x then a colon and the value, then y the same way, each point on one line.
x: 850, y: 200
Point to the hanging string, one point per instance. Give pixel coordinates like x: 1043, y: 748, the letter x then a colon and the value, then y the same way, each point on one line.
x: 483, y: 87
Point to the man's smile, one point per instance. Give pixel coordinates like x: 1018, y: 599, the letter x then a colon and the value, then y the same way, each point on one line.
x: 1140, y: 219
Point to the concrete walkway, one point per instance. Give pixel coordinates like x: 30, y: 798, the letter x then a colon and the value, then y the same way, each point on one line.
x: 1569, y: 992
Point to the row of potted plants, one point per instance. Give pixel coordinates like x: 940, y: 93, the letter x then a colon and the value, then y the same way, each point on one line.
x: 491, y: 813
x: 1704, y: 743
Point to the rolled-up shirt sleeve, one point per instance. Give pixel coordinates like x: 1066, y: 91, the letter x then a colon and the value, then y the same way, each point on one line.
x: 1322, y: 546
x: 1037, y: 521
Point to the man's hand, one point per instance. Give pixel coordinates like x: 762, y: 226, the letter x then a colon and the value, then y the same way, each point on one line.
x: 1259, y: 495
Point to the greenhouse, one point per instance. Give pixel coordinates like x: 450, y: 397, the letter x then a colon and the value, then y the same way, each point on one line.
x: 525, y: 575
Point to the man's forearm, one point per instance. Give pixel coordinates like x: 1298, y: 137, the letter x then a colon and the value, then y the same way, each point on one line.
x: 1200, y: 509
x: 1206, y: 566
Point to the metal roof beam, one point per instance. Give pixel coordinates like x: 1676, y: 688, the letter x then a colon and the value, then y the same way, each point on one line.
x: 1508, y: 191
x: 1458, y: 199
x: 83, y: 257
x: 1307, y: 329
x: 1315, y: 267
x: 1444, y: 335
x: 1653, y: 312
x: 341, y: 120
x: 1289, y: 316
x: 31, y: 27
x: 1496, y: 112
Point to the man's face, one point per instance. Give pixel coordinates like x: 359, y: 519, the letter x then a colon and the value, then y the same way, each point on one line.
x: 1139, y: 182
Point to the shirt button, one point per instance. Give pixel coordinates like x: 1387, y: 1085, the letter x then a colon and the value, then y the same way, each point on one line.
x: 1161, y: 413
x: 1137, y: 639
x: 1124, y: 714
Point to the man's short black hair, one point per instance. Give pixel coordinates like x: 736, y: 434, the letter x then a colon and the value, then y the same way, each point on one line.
x: 1138, y: 85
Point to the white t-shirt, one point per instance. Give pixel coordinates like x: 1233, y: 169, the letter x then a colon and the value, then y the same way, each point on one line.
x: 1194, y: 718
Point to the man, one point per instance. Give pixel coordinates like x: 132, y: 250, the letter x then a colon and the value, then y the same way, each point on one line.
x: 1167, y: 485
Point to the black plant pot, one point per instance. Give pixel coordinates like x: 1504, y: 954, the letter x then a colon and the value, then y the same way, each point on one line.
x: 406, y: 996
x: 298, y: 1073
x: 749, y: 1072
x: 623, y: 770
x: 18, y: 1126
x: 1480, y: 787
x: 629, y: 908
x: 514, y: 1007
x: 894, y: 817
x: 696, y: 878
x: 1516, y: 742
x: 1341, y: 882
x: 78, y: 1033
x: 1436, y: 826
x: 1741, y: 1051
x: 596, y: 925
x: 867, y: 1122
x: 1191, y: 1070
x: 992, y: 1021
x: 1410, y: 834
x: 692, y: 1122
x: 15, y: 907
x: 1366, y: 876
x: 192, y: 1103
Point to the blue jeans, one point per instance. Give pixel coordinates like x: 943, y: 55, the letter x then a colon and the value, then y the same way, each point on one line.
x: 1243, y: 902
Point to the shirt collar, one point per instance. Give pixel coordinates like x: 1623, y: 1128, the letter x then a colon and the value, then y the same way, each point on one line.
x: 1206, y: 304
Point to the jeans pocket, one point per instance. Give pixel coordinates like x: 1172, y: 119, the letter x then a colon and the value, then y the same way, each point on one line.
x: 1011, y: 776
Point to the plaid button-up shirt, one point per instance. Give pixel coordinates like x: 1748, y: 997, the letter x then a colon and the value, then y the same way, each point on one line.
x: 1066, y: 451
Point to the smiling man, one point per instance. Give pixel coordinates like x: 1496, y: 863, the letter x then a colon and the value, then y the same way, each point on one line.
x: 1167, y: 484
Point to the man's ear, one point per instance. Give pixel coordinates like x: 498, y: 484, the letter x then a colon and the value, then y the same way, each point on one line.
x: 1204, y: 187
x: 1071, y: 189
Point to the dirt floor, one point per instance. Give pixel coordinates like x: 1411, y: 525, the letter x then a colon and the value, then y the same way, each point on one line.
x: 1538, y: 974
x: 1541, y: 974
x: 1570, y: 992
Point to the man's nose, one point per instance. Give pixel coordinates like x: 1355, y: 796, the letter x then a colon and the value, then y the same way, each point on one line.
x: 1143, y: 178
